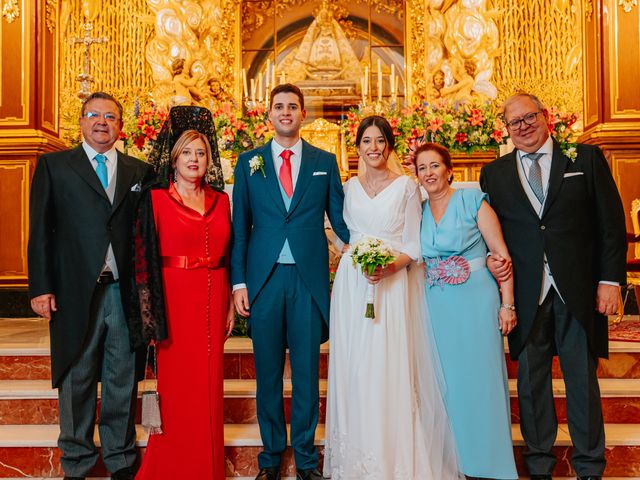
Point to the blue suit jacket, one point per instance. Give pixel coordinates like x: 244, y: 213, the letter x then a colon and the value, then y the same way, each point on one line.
x: 261, y: 223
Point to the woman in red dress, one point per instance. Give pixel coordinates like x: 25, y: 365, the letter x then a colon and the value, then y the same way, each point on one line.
x: 192, y: 233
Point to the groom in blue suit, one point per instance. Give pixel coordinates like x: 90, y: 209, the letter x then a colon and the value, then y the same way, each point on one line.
x: 280, y: 274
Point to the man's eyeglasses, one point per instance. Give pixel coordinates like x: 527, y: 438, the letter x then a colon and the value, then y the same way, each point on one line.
x: 108, y: 117
x: 529, y: 119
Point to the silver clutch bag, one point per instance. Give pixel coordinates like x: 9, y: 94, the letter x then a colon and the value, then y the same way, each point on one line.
x: 151, y: 418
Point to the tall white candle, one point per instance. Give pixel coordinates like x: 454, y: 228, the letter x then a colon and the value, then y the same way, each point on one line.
x: 392, y: 80
x: 273, y: 75
x: 253, y: 89
x: 379, y: 80
x: 366, y: 80
x: 260, y: 86
x: 245, y: 90
x: 267, y: 78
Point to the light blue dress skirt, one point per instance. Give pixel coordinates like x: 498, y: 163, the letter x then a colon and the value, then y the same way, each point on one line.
x: 469, y: 343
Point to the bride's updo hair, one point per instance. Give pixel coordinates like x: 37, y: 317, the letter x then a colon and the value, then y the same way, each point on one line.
x: 382, y: 124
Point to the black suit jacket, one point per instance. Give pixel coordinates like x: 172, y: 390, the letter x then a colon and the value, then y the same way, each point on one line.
x: 72, y: 223
x: 582, y: 232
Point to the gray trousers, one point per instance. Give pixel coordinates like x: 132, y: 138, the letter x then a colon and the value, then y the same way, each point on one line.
x: 556, y: 329
x: 105, y: 355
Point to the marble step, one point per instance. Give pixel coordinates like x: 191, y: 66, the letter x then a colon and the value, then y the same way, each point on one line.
x: 24, y: 355
x: 31, y: 450
x: 35, y: 402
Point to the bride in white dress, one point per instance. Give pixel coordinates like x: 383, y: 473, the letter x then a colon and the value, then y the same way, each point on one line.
x: 385, y: 415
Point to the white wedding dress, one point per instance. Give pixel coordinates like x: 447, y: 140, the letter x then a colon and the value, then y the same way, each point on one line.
x: 385, y: 415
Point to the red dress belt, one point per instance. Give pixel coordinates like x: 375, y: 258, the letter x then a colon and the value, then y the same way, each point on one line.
x: 189, y: 262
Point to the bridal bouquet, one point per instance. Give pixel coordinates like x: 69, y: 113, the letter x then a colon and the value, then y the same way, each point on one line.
x: 371, y: 253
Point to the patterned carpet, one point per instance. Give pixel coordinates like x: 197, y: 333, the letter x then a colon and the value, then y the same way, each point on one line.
x: 625, y: 331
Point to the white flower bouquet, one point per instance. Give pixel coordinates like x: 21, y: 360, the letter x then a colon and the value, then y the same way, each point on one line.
x: 371, y: 253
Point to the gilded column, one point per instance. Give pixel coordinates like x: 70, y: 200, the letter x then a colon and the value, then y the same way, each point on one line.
x: 28, y: 119
x: 611, y: 41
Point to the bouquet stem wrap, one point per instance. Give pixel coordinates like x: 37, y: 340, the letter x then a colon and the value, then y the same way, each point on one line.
x: 371, y: 292
x: 371, y: 253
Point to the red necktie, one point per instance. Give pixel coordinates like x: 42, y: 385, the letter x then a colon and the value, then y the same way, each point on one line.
x: 285, y: 172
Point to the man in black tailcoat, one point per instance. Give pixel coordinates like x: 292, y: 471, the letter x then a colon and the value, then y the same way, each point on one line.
x: 563, y: 222
x: 81, y: 215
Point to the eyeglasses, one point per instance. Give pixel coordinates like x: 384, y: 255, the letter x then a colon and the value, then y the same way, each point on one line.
x: 108, y: 117
x: 529, y: 119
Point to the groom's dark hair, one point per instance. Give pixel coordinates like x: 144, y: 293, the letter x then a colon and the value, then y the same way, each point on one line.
x: 287, y: 88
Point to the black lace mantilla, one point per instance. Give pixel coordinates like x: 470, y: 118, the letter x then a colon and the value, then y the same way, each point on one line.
x: 183, y: 118
x: 147, y: 319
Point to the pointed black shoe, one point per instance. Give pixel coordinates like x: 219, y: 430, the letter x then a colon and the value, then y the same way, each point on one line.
x: 270, y: 473
x: 123, y: 474
x: 312, y: 474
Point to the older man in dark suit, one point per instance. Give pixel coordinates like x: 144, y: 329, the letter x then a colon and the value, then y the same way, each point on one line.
x: 564, y: 226
x: 82, y: 205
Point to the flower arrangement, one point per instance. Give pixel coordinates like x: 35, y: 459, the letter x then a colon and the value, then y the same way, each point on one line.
x: 141, y: 129
x: 371, y: 253
x: 459, y: 126
x: 562, y: 126
x: 237, y: 132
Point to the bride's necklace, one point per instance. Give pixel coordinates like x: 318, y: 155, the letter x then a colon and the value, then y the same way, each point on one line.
x: 381, y: 185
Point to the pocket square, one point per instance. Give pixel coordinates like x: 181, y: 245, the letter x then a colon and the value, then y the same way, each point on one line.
x: 319, y: 173
x: 572, y: 174
x: 136, y: 188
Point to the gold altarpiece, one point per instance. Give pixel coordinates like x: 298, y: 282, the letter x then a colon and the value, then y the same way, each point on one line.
x: 550, y: 47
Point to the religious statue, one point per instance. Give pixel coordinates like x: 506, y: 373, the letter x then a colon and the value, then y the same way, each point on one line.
x: 463, y: 41
x: 463, y: 88
x: 182, y: 83
x: 325, y: 54
x: 186, y: 35
x: 437, y: 84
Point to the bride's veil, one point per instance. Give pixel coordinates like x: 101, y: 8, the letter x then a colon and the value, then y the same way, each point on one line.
x: 431, y: 420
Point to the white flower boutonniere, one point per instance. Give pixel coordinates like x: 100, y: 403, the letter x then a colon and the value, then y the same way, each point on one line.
x: 570, y: 150
x: 257, y: 163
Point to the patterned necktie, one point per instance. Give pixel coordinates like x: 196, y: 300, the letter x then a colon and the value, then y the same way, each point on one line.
x: 101, y: 169
x: 535, y: 175
x: 285, y: 172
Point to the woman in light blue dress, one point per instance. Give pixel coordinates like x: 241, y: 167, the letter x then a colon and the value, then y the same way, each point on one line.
x: 468, y: 315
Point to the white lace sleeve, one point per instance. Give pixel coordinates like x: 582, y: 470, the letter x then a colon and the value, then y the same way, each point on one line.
x: 412, y: 218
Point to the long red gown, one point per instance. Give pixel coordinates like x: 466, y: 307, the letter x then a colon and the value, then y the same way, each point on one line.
x: 190, y: 361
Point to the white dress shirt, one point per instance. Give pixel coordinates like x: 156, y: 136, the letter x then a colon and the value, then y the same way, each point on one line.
x: 296, y: 159
x: 111, y: 162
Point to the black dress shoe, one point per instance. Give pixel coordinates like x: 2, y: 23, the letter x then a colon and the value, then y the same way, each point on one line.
x: 312, y: 474
x: 270, y: 473
x: 590, y: 477
x: 540, y: 477
x: 123, y: 474
x: 74, y: 478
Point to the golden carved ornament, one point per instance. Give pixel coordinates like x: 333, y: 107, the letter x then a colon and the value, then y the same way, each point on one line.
x: 627, y: 5
x: 50, y: 15
x: 588, y: 9
x: 540, y: 51
x: 190, y: 57
x: 10, y: 10
x: 256, y: 14
x: 325, y: 135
